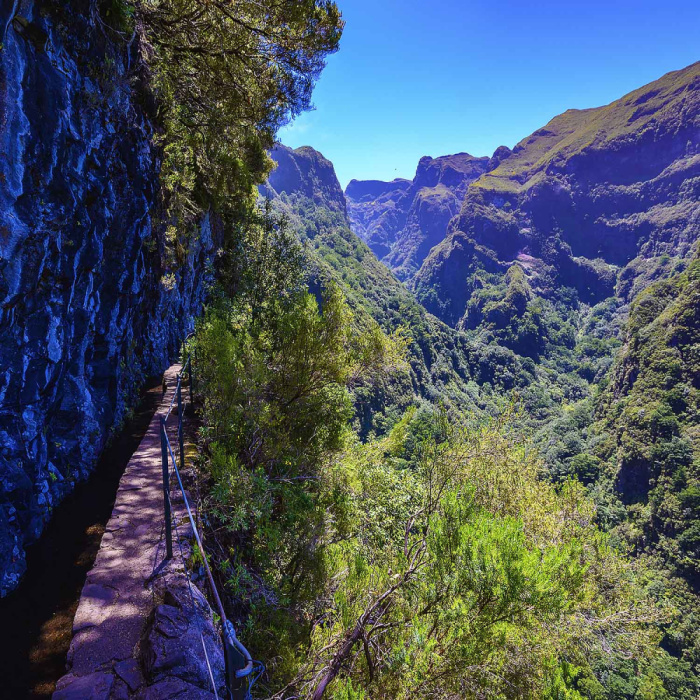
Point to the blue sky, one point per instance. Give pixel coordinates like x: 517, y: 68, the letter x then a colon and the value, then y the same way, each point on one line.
x: 432, y: 77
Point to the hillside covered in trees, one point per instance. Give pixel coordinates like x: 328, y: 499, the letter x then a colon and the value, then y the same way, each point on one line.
x: 534, y: 370
x: 566, y: 412
x: 448, y: 441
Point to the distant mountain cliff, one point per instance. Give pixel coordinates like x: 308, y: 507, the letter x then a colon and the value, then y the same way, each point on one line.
x: 575, y: 250
x: 552, y: 242
x: 305, y: 188
x: 444, y: 366
x: 306, y: 173
x: 402, y: 220
x: 580, y: 202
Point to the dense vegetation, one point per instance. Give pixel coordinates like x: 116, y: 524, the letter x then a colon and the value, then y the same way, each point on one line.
x: 223, y: 78
x: 559, y: 373
x: 646, y: 436
x: 387, y: 568
x: 397, y: 508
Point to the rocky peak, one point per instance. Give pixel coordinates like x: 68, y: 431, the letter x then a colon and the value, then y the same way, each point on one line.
x: 402, y: 220
x: 305, y: 171
x: 499, y: 155
x: 370, y: 190
x: 450, y: 171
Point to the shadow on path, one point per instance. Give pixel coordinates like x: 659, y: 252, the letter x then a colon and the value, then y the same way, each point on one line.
x: 36, y: 620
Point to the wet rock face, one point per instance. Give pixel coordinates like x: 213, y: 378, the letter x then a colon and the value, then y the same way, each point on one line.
x: 87, y: 308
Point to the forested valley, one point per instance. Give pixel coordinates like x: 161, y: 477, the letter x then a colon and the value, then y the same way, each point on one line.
x: 448, y: 436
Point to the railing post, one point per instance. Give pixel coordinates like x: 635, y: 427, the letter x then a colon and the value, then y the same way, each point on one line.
x: 235, y: 661
x: 191, y: 383
x: 180, y: 435
x: 166, y: 491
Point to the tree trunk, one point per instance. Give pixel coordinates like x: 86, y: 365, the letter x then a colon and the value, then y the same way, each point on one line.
x: 338, y: 660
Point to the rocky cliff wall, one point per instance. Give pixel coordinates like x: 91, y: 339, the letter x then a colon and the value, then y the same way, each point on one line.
x: 91, y: 301
x: 402, y: 220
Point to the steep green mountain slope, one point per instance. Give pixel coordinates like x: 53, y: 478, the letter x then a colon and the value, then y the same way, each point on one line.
x: 525, y: 328
x: 652, y: 408
x: 640, y: 445
x: 438, y: 543
x: 444, y: 365
x: 402, y: 220
x: 591, y: 202
x: 579, y: 242
x: 550, y: 352
x: 318, y: 522
x: 650, y: 414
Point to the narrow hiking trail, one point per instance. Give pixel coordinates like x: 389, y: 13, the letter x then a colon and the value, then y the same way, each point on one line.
x: 139, y: 629
x: 114, y: 601
x: 37, y: 618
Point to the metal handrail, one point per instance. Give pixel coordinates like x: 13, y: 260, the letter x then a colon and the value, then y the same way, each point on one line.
x: 178, y: 387
x: 235, y: 654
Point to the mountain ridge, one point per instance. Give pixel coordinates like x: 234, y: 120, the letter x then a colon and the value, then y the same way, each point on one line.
x: 402, y: 220
x: 583, y: 196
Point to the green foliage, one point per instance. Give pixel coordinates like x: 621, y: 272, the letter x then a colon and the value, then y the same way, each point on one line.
x: 433, y: 561
x: 465, y: 575
x: 274, y: 362
x: 118, y: 15
x: 430, y: 561
x: 436, y: 558
x: 651, y: 410
x: 637, y: 446
x: 225, y: 77
x: 437, y: 357
x: 523, y: 333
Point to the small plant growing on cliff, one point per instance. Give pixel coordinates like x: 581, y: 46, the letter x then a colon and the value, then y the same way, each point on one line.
x: 118, y: 15
x: 168, y: 282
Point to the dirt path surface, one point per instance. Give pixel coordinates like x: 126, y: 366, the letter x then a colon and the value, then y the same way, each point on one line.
x: 118, y: 597
x: 37, y: 618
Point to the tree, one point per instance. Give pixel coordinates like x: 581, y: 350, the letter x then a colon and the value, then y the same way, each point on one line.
x: 467, y: 577
x: 227, y: 74
x: 274, y: 362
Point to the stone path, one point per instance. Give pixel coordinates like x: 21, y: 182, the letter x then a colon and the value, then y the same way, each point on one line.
x: 133, y: 602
